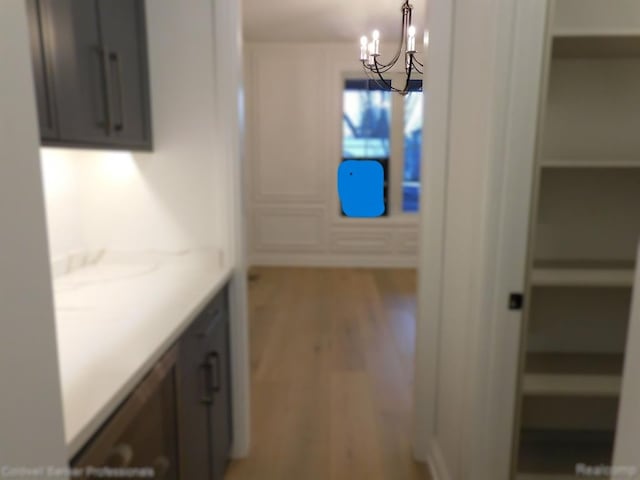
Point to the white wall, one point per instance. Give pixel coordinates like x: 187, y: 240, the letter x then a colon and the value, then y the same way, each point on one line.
x: 173, y: 198
x: 294, y: 108
x: 30, y: 403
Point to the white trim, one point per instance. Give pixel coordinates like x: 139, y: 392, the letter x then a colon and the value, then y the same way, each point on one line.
x: 432, y: 221
x: 436, y: 463
x: 228, y: 66
x: 334, y: 260
x: 627, y: 446
x: 497, y: 331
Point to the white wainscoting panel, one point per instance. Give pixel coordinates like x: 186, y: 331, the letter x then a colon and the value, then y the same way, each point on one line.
x: 406, y: 242
x: 359, y: 242
x: 288, y: 127
x: 289, y: 229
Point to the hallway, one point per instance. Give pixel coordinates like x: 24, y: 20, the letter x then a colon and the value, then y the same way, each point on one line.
x: 332, y: 369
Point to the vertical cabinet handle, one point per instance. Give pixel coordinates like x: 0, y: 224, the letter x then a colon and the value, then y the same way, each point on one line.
x: 205, y: 397
x: 106, y: 89
x: 114, y: 59
x: 211, y: 369
x: 213, y: 361
x: 161, y: 467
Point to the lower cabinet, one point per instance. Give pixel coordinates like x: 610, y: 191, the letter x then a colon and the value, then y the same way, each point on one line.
x: 142, y: 434
x: 177, y: 423
x: 205, y: 401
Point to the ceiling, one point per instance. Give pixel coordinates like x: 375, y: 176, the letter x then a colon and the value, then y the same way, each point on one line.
x: 325, y: 20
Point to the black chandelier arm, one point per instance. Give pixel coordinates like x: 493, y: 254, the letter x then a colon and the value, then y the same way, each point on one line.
x: 414, y: 66
x: 384, y: 68
x: 387, y: 84
x: 406, y: 23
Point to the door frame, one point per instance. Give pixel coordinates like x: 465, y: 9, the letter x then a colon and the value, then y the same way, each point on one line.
x: 228, y: 64
x: 516, y: 56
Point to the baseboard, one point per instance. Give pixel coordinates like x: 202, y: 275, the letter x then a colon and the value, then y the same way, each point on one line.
x: 436, y: 463
x: 332, y: 260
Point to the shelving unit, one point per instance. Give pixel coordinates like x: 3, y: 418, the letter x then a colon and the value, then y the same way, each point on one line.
x: 584, y: 232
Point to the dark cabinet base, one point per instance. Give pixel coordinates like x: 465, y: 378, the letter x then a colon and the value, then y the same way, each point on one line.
x: 205, y: 402
x: 142, y: 434
x: 177, y: 423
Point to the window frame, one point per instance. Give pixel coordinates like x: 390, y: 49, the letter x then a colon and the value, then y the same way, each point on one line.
x: 395, y: 211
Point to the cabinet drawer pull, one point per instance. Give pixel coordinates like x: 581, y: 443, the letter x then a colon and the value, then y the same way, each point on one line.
x: 120, y: 455
x: 161, y: 467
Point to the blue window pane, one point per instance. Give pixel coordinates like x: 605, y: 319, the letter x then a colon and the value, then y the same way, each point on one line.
x: 412, y: 151
x: 366, y: 123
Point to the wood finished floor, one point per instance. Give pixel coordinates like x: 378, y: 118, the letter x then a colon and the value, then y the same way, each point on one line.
x: 332, y: 368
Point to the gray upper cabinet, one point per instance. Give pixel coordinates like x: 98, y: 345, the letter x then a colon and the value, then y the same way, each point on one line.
x: 90, y: 61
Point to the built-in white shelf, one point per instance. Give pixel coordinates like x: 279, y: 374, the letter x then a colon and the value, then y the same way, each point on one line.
x: 573, y: 375
x: 596, y: 18
x: 589, y: 163
x: 572, y: 385
x: 583, y: 274
x: 596, y: 47
x: 544, y: 476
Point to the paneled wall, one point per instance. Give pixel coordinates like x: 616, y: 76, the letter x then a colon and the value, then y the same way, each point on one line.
x: 294, y: 133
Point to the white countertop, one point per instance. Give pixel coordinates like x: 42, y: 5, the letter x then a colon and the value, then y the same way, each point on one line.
x: 115, y: 318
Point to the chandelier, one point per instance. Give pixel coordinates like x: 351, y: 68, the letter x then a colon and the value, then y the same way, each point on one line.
x: 370, y: 54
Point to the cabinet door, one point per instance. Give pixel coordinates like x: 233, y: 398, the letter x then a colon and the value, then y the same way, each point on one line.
x: 220, y: 418
x: 194, y: 404
x: 122, y: 25
x: 143, y: 432
x: 40, y: 33
x: 79, y: 66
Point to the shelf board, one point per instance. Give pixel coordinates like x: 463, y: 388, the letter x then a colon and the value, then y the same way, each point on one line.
x: 545, y: 476
x: 540, y: 384
x: 588, y: 163
x: 555, y: 456
x: 596, y: 46
x: 583, y: 274
x: 575, y: 375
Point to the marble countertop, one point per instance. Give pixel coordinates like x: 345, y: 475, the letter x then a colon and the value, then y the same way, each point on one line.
x: 116, y: 316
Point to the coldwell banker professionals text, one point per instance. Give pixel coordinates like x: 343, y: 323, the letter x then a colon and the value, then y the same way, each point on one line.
x: 8, y: 472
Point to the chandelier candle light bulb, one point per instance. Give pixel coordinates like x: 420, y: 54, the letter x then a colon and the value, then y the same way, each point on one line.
x: 376, y: 42
x: 364, y: 53
x: 411, y: 39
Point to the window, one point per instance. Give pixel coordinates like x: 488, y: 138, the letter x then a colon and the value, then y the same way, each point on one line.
x: 369, y: 128
x: 412, y: 151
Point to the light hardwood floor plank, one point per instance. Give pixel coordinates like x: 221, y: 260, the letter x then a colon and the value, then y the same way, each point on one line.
x: 332, y: 369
